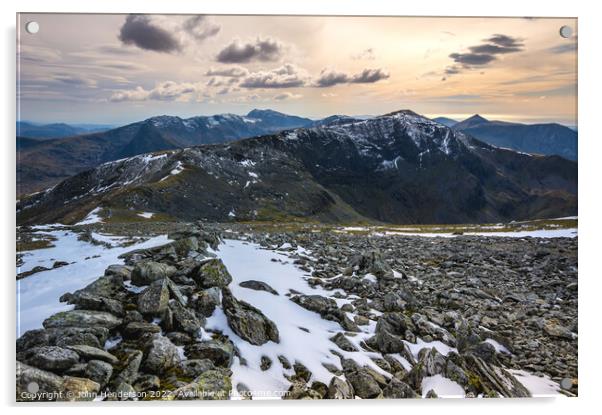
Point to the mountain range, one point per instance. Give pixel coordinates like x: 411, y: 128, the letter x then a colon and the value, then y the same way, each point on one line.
x: 57, y: 130
x: 545, y: 139
x: 395, y: 168
x: 41, y: 164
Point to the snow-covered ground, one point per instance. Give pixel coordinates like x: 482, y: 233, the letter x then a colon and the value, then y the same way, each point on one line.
x: 38, y: 295
x: 490, y: 231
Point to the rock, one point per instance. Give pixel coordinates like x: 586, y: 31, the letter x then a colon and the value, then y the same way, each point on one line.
x: 393, y: 302
x: 125, y: 392
x: 485, y: 351
x: 46, y: 382
x: 212, y: 273
x: 266, y: 363
x: 493, y: 381
x: 122, y: 271
x: 154, y: 299
x: 52, y: 358
x: 186, y: 246
x: 553, y: 328
x: 361, y: 320
x: 247, y: 321
x: 219, y: 352
x: 315, y: 303
x: 299, y: 390
x: 363, y: 383
x: 185, y: 319
x: 33, y: 338
x: 284, y: 362
x: 175, y: 292
x: 105, y: 294
x: 131, y: 365
x: 207, y: 300
x: 136, y: 330
x: 339, y: 389
x: 343, y: 342
x: 372, y: 262
x: 258, y: 286
x: 147, y: 383
x: 67, y: 336
x: 178, y: 338
x: 82, y: 318
x: 146, y: 272
x: 99, y: 371
x: 397, y: 389
x: 90, y: 353
x: 302, y: 373
x: 211, y: 385
x: 431, y: 394
x: 391, y: 329
x: 79, y: 389
x: 194, y: 367
x: 161, y: 355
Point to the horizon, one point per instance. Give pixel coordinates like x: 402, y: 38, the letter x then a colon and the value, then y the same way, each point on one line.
x: 455, y: 117
x: 126, y: 68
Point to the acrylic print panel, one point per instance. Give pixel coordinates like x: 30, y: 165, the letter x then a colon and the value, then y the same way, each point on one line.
x: 293, y: 207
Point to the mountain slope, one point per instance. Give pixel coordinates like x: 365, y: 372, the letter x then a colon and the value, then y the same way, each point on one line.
x: 56, y: 130
x: 548, y: 139
x: 42, y: 165
x: 397, y: 168
x: 448, y: 122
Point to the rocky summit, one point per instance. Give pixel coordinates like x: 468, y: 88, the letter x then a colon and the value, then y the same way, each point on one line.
x: 396, y: 168
x: 223, y: 310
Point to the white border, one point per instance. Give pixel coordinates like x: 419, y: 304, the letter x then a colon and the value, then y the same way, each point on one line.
x: 590, y: 154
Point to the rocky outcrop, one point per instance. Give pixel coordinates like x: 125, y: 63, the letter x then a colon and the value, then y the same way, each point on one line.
x: 247, y: 321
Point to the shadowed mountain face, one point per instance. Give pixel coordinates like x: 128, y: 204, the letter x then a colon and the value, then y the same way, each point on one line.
x: 45, y: 163
x: 548, y: 139
x: 397, y: 168
x: 56, y: 130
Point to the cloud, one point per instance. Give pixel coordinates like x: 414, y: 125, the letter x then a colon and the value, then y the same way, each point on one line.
x: 287, y: 95
x: 140, y: 31
x: 366, y: 54
x: 200, y: 28
x: 370, y: 76
x: 263, y: 50
x: 233, y: 72
x: 286, y: 76
x: 74, y: 80
x: 330, y: 78
x: 564, y: 48
x: 484, y: 53
x: 163, y: 91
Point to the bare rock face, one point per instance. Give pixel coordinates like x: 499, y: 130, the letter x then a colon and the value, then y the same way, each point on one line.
x: 247, y: 321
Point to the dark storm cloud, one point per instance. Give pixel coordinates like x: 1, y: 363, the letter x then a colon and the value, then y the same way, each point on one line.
x: 262, y: 50
x: 330, y: 78
x: 369, y: 76
x: 484, y: 53
x: 200, y: 28
x: 140, y: 31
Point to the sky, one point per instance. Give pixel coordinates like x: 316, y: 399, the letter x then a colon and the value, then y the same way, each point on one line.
x: 117, y: 69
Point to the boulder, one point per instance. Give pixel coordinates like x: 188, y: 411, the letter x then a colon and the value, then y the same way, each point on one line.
x: 185, y: 319
x: 135, y: 329
x: 99, y: 371
x: 212, y: 273
x: 79, y: 389
x: 396, y: 389
x: 343, y: 342
x: 82, y: 318
x: 372, y: 262
x: 160, y: 355
x: 53, y: 358
x: 194, y: 367
x: 90, y: 353
x: 154, y: 299
x: 207, y: 300
x: 31, y: 380
x: 220, y: 352
x: 131, y: 366
x: 339, y: 389
x: 145, y: 272
x: 258, y: 286
x: 247, y: 321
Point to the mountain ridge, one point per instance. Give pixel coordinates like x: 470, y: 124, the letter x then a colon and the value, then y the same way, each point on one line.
x: 396, y: 168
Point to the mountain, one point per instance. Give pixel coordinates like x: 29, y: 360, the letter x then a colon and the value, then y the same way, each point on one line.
x: 334, y: 120
x: 56, y: 130
x: 41, y: 165
x: 546, y: 139
x: 448, y: 122
x: 396, y: 168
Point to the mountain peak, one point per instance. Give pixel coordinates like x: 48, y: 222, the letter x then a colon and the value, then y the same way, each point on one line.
x: 477, y: 117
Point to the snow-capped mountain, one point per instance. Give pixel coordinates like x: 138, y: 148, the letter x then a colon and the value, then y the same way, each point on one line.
x: 45, y: 163
x: 399, y: 168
